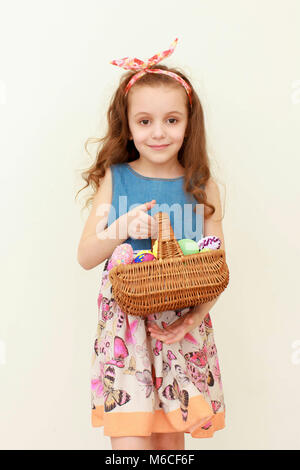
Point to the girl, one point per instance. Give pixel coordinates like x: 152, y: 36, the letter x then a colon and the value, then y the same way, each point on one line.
x: 153, y: 379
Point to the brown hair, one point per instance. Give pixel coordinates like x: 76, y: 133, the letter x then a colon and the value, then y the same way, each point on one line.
x: 115, y: 146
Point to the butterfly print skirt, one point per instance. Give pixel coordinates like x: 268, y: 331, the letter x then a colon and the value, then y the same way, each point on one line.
x: 141, y: 385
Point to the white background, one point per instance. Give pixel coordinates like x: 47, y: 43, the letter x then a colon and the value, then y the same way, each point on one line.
x: 55, y: 84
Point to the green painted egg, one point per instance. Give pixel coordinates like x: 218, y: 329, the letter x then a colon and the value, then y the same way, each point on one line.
x: 188, y: 247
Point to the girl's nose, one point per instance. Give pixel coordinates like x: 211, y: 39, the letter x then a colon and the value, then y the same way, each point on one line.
x: 158, y: 131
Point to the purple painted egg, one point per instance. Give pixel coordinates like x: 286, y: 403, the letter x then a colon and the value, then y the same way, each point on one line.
x: 211, y: 242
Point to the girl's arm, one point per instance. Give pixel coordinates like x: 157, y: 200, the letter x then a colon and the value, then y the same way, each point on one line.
x: 212, y: 226
x: 96, y: 243
x: 93, y: 250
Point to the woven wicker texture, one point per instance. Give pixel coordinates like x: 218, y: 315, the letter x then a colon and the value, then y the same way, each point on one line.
x: 173, y: 280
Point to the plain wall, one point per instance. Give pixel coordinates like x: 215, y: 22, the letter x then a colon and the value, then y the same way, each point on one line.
x: 55, y: 85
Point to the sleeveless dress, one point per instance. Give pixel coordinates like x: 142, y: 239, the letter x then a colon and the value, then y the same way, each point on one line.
x: 140, y: 385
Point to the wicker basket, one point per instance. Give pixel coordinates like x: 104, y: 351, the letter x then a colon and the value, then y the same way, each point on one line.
x: 172, y: 281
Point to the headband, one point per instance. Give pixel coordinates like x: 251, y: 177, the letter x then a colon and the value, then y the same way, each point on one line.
x: 132, y: 63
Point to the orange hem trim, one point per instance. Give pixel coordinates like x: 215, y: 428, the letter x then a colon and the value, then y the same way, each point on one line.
x: 117, y: 424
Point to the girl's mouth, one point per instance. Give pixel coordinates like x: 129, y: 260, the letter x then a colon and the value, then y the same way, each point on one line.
x: 158, y: 147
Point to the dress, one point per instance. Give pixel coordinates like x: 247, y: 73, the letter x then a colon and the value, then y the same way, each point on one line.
x: 139, y: 384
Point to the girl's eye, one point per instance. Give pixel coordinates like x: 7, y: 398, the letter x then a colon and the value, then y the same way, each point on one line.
x: 170, y: 119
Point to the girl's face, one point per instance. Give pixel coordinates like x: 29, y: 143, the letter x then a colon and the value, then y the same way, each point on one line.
x: 157, y: 116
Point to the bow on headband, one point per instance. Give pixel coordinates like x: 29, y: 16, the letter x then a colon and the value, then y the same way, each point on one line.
x: 142, y: 67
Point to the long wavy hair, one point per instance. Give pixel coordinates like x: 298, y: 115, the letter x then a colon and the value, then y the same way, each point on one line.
x: 115, y: 146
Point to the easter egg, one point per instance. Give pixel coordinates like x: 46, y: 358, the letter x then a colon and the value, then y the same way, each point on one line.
x: 154, y: 248
x: 109, y: 265
x: 188, y: 247
x: 149, y: 257
x: 139, y: 258
x: 123, y: 254
x: 211, y: 242
x: 204, y: 249
x: 144, y: 255
x: 139, y: 252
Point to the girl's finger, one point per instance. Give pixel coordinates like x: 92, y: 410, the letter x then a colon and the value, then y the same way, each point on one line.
x: 176, y: 330
x: 161, y: 335
x: 154, y: 326
x: 158, y: 330
x: 155, y: 330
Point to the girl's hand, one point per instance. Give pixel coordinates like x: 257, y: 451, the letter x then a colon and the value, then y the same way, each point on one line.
x: 140, y: 224
x: 174, y: 332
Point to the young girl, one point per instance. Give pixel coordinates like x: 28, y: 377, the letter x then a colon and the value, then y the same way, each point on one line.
x: 155, y: 378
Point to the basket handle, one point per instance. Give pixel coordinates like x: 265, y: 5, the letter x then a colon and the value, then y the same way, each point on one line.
x: 168, y: 246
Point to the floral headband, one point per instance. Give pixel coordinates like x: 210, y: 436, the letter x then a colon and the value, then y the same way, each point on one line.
x: 130, y: 63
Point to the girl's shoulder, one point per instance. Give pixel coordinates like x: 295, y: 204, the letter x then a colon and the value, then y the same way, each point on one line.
x: 213, y: 193
x: 211, y: 185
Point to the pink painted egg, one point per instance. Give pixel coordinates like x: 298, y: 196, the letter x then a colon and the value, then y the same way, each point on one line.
x: 123, y: 254
x: 109, y: 266
x: 149, y: 257
x: 144, y: 257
